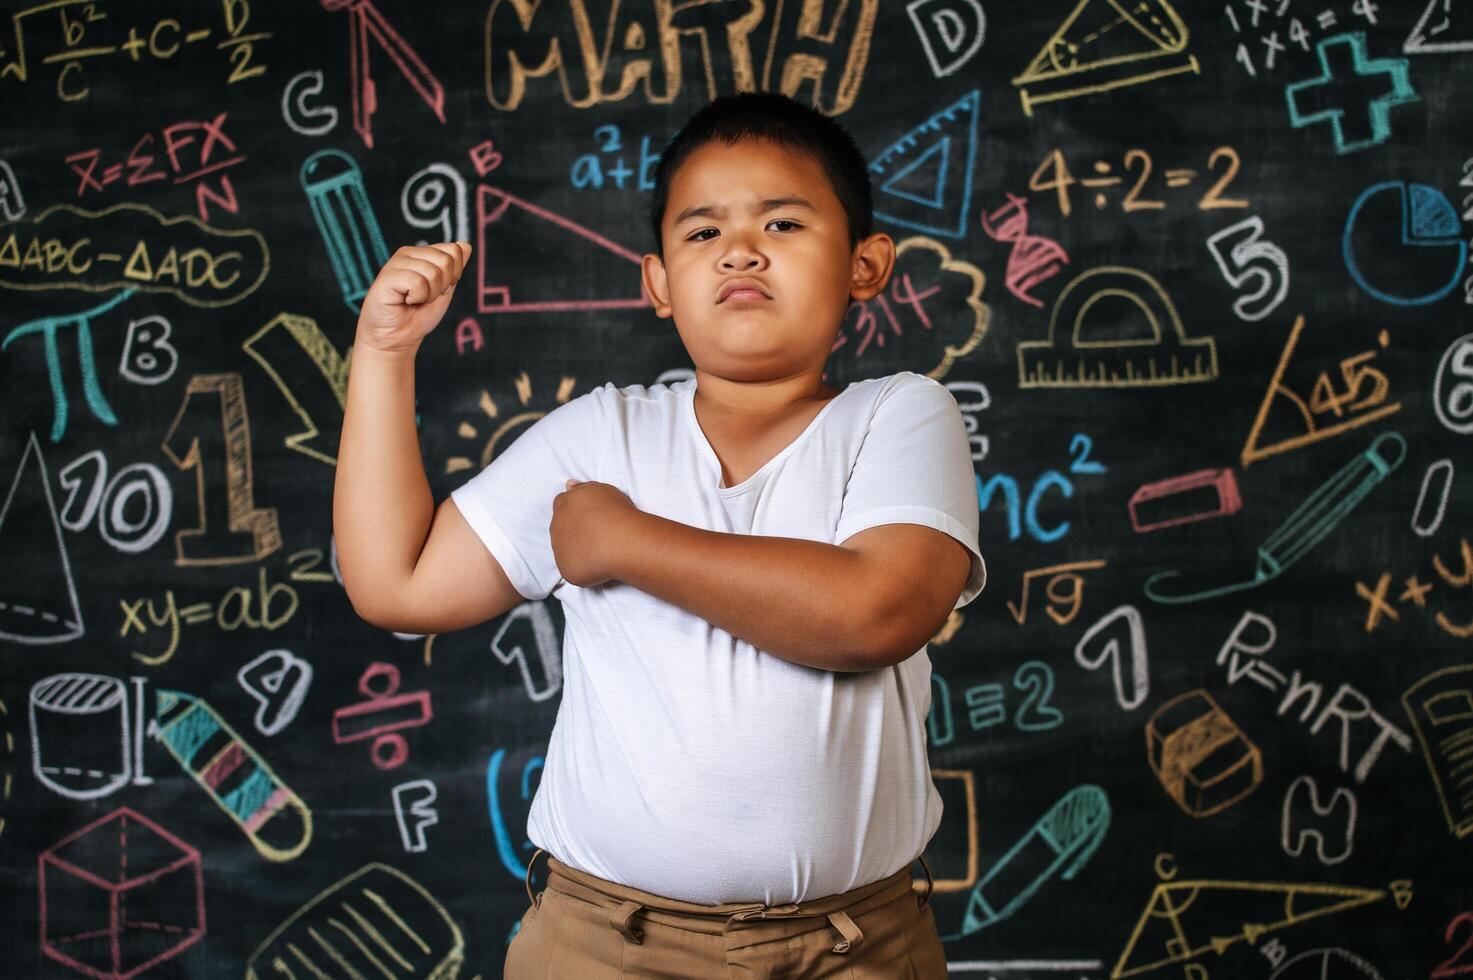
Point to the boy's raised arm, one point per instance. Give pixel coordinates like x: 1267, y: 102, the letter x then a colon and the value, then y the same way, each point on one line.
x: 404, y: 566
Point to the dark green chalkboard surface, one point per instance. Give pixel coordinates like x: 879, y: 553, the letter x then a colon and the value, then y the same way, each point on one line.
x: 1196, y: 273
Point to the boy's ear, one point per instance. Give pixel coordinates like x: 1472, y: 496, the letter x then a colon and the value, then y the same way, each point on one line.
x: 874, y: 260
x: 652, y: 275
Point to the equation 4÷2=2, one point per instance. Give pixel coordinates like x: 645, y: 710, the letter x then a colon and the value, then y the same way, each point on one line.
x: 1053, y: 174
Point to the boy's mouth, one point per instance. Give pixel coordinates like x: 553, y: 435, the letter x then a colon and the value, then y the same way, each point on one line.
x: 743, y: 290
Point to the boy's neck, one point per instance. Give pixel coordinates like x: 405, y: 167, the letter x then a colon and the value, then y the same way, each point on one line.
x: 755, y: 400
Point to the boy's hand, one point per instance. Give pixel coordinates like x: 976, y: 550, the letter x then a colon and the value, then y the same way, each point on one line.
x: 587, y: 520
x: 410, y: 294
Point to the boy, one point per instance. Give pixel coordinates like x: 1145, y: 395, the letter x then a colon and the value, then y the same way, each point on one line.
x: 736, y: 783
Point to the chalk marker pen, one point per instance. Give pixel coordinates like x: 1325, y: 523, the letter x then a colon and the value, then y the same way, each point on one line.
x: 274, y: 818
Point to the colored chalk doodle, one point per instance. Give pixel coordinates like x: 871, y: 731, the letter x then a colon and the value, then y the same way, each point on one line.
x: 1445, y: 27
x: 211, y: 435
x: 1185, y: 920
x: 955, y: 851
x: 951, y: 31
x: 509, y: 790
x: 414, y: 812
x: 120, y: 896
x: 1185, y: 499
x: 1378, y: 598
x: 38, y: 595
x: 1437, y: 485
x: 1063, y: 589
x: 345, y: 218
x: 1326, y: 964
x: 278, y: 681
x: 378, y: 921
x: 1329, y: 824
x: 7, y: 773
x: 1127, y: 640
x: 504, y: 431
x: 1413, y: 232
x: 310, y: 374
x: 1202, y: 758
x: 923, y: 180
x: 1452, y: 391
x: 1144, y: 343
x: 1033, y: 258
x: 85, y: 740
x: 273, y: 818
x: 530, y: 625
x: 113, y: 504
x: 1246, y: 259
x: 1347, y: 707
x: 301, y: 118
x: 1103, y: 45
x: 148, y: 357
x: 12, y: 201
x: 1336, y: 94
x: 382, y: 715
x: 48, y: 328
x: 196, y: 150
x: 365, y: 24
x: 1293, y: 415
x: 931, y: 313
x: 605, y: 48
x: 88, y: 36
x: 437, y: 198
x: 507, y: 225
x: 1309, y: 524
x: 1440, y: 707
x: 133, y: 246
x: 1060, y: 843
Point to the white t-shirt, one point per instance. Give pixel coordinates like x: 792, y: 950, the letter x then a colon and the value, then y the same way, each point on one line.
x: 687, y: 762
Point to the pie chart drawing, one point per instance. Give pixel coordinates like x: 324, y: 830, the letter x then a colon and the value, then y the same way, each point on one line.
x: 1326, y: 964
x: 1402, y: 243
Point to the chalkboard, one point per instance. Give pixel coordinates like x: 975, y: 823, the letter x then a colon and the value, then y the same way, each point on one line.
x: 1197, y: 275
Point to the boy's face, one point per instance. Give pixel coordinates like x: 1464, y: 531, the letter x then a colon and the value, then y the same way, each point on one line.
x: 798, y: 253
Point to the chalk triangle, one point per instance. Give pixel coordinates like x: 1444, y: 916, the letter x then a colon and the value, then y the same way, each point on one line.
x: 1445, y: 27
x: 923, y: 180
x: 38, y: 602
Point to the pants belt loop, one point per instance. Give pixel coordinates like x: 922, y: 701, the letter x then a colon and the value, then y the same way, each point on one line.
x: 930, y: 884
x: 852, y: 936
x: 534, y: 899
x: 620, y: 918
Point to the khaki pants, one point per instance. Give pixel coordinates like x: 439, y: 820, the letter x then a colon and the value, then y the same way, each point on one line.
x: 581, y: 927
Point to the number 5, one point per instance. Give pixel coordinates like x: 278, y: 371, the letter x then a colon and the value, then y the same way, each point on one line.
x: 1250, y: 258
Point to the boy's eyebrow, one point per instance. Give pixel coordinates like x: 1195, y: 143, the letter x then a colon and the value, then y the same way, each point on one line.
x: 762, y: 207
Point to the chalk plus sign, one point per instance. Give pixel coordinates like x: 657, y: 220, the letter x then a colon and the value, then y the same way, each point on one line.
x: 1357, y: 81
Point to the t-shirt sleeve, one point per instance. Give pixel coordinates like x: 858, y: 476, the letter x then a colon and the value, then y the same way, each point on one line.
x: 509, y: 503
x: 915, y: 467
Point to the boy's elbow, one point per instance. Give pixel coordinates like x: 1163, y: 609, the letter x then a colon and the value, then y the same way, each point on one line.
x: 372, y: 613
x: 375, y: 607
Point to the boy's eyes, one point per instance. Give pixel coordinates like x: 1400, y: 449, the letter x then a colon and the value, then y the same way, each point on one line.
x: 775, y: 221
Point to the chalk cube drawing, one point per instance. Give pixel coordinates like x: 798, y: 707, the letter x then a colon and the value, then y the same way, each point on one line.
x: 120, y: 896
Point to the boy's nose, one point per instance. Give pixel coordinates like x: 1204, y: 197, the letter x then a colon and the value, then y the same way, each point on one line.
x: 740, y: 258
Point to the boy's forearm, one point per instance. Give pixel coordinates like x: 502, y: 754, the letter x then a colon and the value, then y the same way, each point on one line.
x: 794, y: 598
x: 382, y: 505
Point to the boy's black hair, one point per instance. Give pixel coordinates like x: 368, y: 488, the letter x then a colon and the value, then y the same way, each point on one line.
x: 780, y: 119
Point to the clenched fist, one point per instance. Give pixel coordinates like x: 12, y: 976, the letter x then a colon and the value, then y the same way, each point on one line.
x: 409, y: 295
x: 589, y: 520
